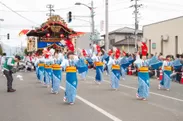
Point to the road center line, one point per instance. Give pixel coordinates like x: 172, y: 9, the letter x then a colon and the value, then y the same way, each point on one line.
x: 96, y: 107
x: 157, y: 94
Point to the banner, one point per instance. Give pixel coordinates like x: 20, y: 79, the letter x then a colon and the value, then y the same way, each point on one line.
x: 41, y: 45
x: 31, y: 44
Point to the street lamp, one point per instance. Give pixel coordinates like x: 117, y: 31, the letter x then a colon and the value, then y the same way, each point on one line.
x: 92, y: 15
x: 77, y: 3
x: 84, y: 5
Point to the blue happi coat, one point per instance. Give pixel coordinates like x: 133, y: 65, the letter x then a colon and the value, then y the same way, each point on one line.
x: 57, y: 75
x: 48, y: 71
x: 71, y: 81
x: 82, y: 67
x: 143, y: 79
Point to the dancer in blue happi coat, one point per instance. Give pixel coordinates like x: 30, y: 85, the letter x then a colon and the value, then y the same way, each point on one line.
x: 82, y: 64
x: 143, y: 74
x: 177, y: 66
x: 48, y: 69
x: 107, y: 57
x: 41, y: 69
x: 115, y: 70
x: 99, y: 65
x: 124, y: 64
x: 155, y: 64
x: 167, y: 71
x: 71, y: 79
x: 57, y: 74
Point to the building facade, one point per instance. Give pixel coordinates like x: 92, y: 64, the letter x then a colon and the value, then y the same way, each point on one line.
x: 124, y: 39
x: 165, y: 36
x: 83, y: 41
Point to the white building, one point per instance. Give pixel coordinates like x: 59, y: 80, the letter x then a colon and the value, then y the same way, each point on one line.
x: 83, y: 41
x: 165, y: 36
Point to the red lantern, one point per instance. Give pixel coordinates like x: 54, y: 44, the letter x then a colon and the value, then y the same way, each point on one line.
x: 48, y: 35
x: 61, y: 35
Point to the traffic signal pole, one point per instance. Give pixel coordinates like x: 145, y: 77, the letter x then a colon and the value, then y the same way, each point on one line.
x: 70, y: 16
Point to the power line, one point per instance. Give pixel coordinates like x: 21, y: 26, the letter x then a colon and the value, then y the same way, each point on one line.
x: 124, y: 1
x: 17, y: 13
x: 24, y: 11
x: 162, y: 9
x: 119, y: 9
x: 39, y: 11
x: 164, y: 3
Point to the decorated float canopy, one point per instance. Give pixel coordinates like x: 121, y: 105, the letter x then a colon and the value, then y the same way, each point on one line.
x: 54, y: 27
x: 49, y: 34
x: 53, y: 33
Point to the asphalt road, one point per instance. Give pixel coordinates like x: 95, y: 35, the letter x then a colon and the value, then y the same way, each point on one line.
x: 33, y: 102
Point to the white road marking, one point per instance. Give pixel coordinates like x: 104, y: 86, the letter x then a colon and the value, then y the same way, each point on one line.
x: 96, y: 107
x: 157, y: 94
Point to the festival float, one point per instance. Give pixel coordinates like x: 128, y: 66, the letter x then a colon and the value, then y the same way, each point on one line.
x: 54, y: 33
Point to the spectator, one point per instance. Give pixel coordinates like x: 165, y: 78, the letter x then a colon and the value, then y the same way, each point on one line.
x: 8, y: 66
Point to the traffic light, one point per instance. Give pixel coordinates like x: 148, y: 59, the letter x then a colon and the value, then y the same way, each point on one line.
x: 8, y: 36
x: 69, y: 17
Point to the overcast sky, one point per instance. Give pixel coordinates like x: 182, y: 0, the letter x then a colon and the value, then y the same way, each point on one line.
x: 120, y: 14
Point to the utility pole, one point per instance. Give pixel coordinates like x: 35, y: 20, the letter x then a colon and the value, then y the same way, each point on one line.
x: 106, y: 26
x: 51, y: 10
x: 136, y: 12
x: 92, y: 20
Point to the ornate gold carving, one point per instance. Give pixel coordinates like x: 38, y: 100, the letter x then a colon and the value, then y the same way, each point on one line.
x: 51, y: 39
x: 56, y: 18
x: 55, y: 28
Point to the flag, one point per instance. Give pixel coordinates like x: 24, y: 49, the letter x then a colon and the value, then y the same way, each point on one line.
x: 23, y: 32
x: 77, y: 34
x: 84, y: 52
x: 144, y: 49
x: 117, y: 53
x: 70, y: 45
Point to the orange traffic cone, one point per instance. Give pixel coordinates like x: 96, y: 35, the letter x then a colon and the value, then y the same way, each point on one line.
x: 181, y: 81
x: 129, y: 70
x: 161, y: 74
